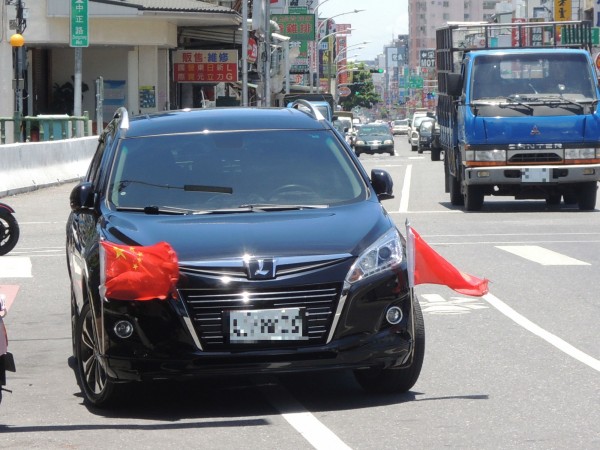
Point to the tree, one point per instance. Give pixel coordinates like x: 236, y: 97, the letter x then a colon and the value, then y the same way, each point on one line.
x: 362, y: 90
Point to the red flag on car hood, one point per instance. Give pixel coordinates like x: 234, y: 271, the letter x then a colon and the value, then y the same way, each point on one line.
x: 139, y: 272
x: 426, y: 266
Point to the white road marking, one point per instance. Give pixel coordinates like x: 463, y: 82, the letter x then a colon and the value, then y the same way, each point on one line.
x: 317, y: 434
x: 545, y: 335
x: 405, y: 190
x: 541, y: 255
x: 436, y: 304
x: 15, y: 267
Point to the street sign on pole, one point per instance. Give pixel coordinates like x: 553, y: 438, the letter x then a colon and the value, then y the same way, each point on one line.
x: 79, y: 23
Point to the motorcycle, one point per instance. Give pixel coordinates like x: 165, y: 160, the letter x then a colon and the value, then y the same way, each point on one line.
x: 7, y: 362
x: 9, y: 229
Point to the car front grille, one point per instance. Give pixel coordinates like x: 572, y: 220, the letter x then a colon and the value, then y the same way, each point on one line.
x: 208, y: 310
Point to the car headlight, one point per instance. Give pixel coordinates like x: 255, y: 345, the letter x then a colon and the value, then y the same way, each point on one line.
x: 383, y: 254
x: 388, y: 142
x: 486, y: 155
x: 580, y: 153
x: 360, y: 142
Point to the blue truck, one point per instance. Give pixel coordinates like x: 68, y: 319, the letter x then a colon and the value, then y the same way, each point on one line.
x: 518, y: 112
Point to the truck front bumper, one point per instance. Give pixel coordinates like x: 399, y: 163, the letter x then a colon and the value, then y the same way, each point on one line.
x: 540, y: 175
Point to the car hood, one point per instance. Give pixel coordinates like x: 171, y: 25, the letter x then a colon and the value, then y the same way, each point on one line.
x: 327, y: 231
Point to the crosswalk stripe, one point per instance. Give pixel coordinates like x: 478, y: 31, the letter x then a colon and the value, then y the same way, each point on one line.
x: 542, y: 255
x: 15, y: 267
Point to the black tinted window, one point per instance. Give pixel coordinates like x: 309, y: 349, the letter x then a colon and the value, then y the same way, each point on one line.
x: 225, y: 170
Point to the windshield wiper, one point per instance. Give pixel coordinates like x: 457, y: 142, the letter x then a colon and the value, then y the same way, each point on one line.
x: 558, y: 100
x: 154, y: 209
x: 515, y: 101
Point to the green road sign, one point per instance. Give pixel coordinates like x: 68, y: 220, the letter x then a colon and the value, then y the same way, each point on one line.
x: 79, y: 23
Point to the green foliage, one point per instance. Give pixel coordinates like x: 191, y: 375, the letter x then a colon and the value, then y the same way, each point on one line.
x: 362, y: 89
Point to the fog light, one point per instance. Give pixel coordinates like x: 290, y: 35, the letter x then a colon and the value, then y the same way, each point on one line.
x: 589, y: 171
x: 123, y: 329
x: 394, y: 315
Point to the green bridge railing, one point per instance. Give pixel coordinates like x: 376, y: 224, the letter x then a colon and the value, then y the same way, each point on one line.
x: 45, y: 127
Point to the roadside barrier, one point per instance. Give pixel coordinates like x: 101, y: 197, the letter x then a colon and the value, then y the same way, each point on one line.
x: 45, y: 127
x: 29, y: 166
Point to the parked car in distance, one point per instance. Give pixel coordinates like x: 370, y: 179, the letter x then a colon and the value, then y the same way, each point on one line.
x: 226, y: 241
x: 400, y: 126
x: 374, y: 138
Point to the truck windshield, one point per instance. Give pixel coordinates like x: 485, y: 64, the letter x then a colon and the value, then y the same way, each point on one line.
x: 533, y: 77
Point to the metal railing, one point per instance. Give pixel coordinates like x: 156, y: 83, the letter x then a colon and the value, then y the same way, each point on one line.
x: 45, y: 127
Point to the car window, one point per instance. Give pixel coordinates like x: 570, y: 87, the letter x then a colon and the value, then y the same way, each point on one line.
x: 226, y: 170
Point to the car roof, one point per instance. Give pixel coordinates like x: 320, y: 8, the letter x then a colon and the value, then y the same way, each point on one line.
x: 221, y: 119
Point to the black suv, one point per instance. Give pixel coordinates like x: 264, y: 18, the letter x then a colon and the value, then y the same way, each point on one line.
x: 280, y: 256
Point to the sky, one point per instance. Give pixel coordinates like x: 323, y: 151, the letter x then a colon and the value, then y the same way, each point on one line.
x: 379, y: 23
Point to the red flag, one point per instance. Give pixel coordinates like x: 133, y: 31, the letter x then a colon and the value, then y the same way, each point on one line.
x: 138, y: 272
x: 426, y: 266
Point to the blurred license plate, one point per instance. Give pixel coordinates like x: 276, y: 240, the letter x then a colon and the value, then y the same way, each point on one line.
x: 250, y: 326
x: 535, y: 175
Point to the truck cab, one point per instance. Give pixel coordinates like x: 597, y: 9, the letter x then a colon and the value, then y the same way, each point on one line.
x: 519, y: 121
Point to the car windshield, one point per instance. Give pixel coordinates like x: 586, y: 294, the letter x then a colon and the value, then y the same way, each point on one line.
x: 374, y: 129
x: 212, y: 171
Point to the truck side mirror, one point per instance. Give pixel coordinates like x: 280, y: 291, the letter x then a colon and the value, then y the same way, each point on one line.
x: 454, y: 84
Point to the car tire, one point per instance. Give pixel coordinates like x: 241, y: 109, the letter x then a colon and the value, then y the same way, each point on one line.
x: 97, y: 387
x: 413, y: 148
x: 586, y: 197
x: 435, y: 154
x: 397, y: 379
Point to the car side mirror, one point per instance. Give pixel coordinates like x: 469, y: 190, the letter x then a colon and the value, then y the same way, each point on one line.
x: 82, y: 196
x: 383, y: 184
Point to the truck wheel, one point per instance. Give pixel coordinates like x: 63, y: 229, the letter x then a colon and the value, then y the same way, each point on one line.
x: 553, y: 200
x: 587, y: 196
x: 456, y: 198
x: 435, y: 154
x: 473, y: 198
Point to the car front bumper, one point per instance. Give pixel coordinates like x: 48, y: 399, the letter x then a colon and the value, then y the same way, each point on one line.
x: 189, y: 336
x: 371, y: 149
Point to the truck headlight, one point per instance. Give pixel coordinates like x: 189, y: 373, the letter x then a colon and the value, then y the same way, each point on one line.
x: 383, y: 254
x: 580, y: 153
x: 485, y: 155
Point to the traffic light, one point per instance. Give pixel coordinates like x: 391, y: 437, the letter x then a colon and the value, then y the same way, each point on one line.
x: 376, y: 70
